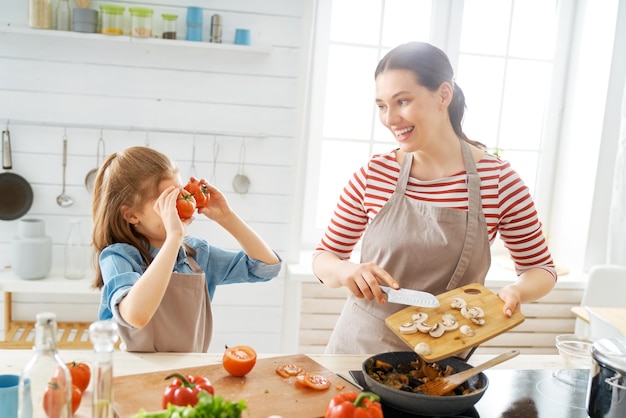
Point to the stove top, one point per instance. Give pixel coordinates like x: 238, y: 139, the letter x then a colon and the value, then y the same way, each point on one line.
x: 521, y: 394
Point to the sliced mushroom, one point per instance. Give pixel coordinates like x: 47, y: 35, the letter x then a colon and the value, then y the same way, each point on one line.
x: 419, y: 317
x: 437, y: 330
x: 423, y: 327
x: 448, y: 317
x: 449, y: 323
x: 476, y: 312
x: 478, y: 321
x: 423, y: 349
x: 408, y: 328
x: 458, y: 303
x: 467, y: 331
x: 465, y: 312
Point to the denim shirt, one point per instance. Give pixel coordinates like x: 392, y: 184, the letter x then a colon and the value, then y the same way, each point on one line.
x: 121, y: 267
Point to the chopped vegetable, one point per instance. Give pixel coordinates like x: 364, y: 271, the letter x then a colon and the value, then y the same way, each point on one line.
x: 208, y: 406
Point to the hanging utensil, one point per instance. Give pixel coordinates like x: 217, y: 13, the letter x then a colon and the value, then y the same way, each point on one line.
x: 90, y: 178
x: 192, y: 168
x: 16, y: 194
x: 216, y: 152
x: 63, y: 199
x: 241, y: 182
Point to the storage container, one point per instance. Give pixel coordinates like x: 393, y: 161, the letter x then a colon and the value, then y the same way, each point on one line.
x: 84, y: 20
x: 194, y: 24
x: 141, y: 22
x: 40, y: 14
x: 169, y: 26
x: 112, y: 19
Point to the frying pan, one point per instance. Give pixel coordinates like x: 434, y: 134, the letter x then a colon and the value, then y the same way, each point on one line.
x: 16, y: 195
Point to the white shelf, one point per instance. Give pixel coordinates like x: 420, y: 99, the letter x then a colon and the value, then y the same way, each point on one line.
x: 6, y: 27
x: 55, y: 282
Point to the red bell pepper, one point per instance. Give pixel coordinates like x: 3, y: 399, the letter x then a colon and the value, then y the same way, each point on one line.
x: 351, y: 405
x: 184, y: 391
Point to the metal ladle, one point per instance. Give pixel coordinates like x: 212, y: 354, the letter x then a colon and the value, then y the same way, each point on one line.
x: 63, y: 199
x: 241, y: 182
x: 90, y: 178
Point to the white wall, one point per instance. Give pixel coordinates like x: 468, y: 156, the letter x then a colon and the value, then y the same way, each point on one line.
x: 161, y: 93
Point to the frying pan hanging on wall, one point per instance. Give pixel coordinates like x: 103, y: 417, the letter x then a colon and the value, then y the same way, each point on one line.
x: 16, y: 194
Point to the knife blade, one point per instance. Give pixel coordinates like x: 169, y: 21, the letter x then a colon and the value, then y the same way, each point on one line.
x: 410, y: 297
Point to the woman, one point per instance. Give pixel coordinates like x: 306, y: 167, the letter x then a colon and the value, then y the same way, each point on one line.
x: 427, y: 211
x: 157, y: 283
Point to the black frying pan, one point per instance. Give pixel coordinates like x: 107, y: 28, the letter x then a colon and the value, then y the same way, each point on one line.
x: 16, y: 195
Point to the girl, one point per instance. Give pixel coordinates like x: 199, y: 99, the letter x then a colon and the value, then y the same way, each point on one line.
x: 157, y: 283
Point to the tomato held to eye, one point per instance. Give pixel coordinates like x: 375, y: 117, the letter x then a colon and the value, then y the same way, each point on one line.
x: 239, y: 360
x: 81, y: 374
x: 200, y: 191
x: 185, y: 204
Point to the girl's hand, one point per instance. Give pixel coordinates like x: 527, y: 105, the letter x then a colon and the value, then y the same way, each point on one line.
x: 165, y: 207
x: 218, y: 207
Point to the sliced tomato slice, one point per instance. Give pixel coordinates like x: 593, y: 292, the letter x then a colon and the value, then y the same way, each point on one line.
x: 289, y: 369
x: 313, y: 381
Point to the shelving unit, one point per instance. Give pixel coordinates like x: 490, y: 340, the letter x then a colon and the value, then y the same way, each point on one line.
x: 6, y: 27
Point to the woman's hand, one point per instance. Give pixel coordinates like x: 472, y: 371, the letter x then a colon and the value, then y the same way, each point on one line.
x: 364, y: 280
x: 218, y: 207
x: 512, y: 298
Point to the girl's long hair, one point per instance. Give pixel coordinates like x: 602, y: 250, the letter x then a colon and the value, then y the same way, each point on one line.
x: 127, y: 178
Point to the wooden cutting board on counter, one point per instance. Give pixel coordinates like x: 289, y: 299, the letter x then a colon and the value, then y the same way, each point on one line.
x: 265, y: 392
x: 453, y: 342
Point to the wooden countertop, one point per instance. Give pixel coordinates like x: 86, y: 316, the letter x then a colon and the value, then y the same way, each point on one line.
x: 13, y: 361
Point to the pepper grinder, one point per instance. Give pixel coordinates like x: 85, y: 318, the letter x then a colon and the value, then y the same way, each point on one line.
x: 216, y: 29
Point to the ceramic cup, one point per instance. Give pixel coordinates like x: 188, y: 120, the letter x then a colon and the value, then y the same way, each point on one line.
x: 242, y: 37
x: 8, y: 395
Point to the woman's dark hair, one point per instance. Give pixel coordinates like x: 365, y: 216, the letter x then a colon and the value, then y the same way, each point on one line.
x: 431, y: 67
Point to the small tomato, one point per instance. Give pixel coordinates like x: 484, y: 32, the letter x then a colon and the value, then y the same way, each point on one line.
x: 239, y: 360
x: 185, y: 204
x: 184, y: 390
x: 289, y: 369
x: 81, y: 374
x: 200, y: 191
x: 313, y: 381
x: 54, y: 399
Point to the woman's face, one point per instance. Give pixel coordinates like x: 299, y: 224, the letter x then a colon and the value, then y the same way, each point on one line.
x: 409, y: 110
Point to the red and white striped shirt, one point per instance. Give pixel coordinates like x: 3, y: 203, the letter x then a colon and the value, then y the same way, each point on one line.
x: 506, y: 202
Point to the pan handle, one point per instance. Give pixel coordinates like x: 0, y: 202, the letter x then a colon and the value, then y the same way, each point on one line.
x: 6, y: 150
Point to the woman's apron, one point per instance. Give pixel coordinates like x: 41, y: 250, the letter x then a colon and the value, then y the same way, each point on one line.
x: 423, y: 247
x: 183, y: 321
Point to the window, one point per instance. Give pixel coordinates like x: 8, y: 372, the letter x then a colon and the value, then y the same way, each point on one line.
x: 507, y: 65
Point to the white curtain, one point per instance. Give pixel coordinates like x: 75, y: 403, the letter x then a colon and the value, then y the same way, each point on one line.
x: 617, y: 215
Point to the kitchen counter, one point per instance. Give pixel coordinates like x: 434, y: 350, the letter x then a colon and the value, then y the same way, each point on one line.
x: 12, y: 361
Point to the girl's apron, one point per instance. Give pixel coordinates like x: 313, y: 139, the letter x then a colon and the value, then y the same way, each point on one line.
x: 423, y: 247
x: 182, y: 323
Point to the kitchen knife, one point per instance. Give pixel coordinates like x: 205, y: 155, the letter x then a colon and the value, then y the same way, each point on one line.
x: 410, y: 297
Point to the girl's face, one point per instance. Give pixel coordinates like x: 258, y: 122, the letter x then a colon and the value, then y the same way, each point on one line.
x: 150, y: 223
x: 412, y: 113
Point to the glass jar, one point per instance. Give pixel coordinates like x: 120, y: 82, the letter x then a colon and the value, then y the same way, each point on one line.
x: 75, y: 252
x: 103, y: 334
x: 112, y: 22
x: 142, y: 22
x: 169, y: 26
x: 40, y: 14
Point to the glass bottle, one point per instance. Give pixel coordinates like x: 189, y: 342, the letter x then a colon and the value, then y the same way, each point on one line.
x: 45, y: 381
x: 40, y: 14
x: 103, y: 335
x: 63, y: 15
x: 75, y: 252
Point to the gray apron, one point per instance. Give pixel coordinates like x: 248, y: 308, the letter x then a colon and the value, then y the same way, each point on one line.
x: 182, y: 323
x: 423, y: 247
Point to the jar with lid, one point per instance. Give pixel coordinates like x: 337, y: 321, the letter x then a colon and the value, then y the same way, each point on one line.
x: 169, y: 26
x: 40, y: 14
x: 141, y: 22
x: 111, y: 19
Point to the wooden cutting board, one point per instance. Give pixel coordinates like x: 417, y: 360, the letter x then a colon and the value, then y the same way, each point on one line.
x: 453, y: 342
x: 265, y: 392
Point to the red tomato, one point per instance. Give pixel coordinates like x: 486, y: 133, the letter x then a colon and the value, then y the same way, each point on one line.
x: 239, y: 360
x: 313, y: 381
x: 200, y: 192
x: 54, y: 399
x: 289, y: 369
x: 185, y: 204
x: 81, y: 374
x: 77, y: 396
x: 184, y: 390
